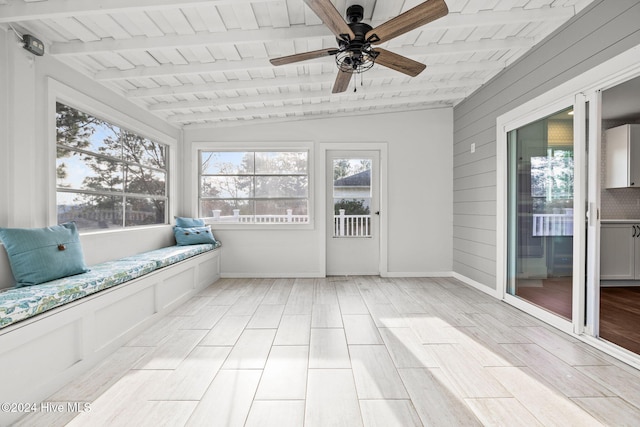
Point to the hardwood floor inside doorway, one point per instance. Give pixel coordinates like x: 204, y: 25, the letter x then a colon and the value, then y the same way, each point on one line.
x: 553, y: 294
x: 619, y: 308
x: 353, y: 352
x: 620, y: 316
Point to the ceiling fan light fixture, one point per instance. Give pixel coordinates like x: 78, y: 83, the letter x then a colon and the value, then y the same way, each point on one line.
x: 356, y: 55
x: 356, y: 61
x: 355, y: 38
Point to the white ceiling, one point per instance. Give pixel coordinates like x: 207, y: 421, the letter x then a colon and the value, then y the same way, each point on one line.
x: 206, y: 63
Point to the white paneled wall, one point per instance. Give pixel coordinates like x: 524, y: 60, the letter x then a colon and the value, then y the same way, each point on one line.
x: 419, y: 180
x: 601, y: 31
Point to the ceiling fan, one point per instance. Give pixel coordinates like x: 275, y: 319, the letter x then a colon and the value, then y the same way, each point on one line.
x: 355, y: 53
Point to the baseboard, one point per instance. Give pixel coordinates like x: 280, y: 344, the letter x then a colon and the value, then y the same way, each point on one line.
x: 477, y: 285
x: 619, y: 283
x: 401, y: 274
x: 312, y: 275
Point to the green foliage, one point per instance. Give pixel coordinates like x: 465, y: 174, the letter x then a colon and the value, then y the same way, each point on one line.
x: 347, y: 167
x: 119, y: 160
x: 352, y: 207
x: 274, y: 179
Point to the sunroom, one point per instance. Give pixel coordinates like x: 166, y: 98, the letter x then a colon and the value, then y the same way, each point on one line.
x: 400, y: 245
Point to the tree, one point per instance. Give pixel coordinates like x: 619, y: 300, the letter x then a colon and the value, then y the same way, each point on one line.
x: 73, y: 130
x: 352, y: 207
x: 123, y: 162
x: 346, y: 167
x: 254, y: 182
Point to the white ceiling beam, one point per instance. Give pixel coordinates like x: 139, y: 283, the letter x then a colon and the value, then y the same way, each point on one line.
x: 452, y: 20
x: 249, y: 121
x: 290, y: 97
x: 174, y: 70
x: 258, y: 84
x: 255, y: 64
x: 502, y: 17
x: 299, y: 32
x: 19, y: 10
x: 315, y: 108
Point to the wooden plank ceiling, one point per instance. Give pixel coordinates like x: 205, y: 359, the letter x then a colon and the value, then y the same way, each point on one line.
x: 206, y: 63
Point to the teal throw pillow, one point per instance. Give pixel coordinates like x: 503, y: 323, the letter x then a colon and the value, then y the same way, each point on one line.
x: 193, y: 235
x: 38, y: 255
x: 189, y: 222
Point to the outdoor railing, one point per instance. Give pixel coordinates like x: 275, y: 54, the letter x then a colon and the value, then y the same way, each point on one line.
x: 553, y: 224
x: 287, y: 218
x: 351, y: 225
x: 343, y: 225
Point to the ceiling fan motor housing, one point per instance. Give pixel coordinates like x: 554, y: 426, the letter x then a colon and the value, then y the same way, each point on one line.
x: 356, y: 55
x: 355, y: 13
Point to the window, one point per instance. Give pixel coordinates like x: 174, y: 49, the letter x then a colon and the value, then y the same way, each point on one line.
x: 107, y: 177
x: 254, y: 186
x: 352, y: 197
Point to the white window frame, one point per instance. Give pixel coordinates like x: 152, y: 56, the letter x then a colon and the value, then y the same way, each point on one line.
x: 59, y: 92
x: 197, y: 147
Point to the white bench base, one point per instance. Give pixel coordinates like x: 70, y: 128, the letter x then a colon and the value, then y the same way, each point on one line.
x: 41, y: 354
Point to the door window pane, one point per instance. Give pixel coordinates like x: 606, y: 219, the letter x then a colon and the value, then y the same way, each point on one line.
x: 540, y: 212
x: 352, y: 197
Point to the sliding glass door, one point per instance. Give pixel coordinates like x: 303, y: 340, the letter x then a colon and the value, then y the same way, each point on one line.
x: 541, y: 171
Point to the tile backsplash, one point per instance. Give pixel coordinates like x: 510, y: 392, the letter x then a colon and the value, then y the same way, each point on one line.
x: 617, y: 203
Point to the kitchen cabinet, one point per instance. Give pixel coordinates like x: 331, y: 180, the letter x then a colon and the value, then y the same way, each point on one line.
x: 620, y: 251
x: 622, y: 159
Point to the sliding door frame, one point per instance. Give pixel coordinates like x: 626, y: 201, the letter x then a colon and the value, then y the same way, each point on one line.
x: 582, y: 90
x: 516, y: 120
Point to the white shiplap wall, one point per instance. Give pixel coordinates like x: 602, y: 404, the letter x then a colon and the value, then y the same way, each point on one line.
x: 602, y: 30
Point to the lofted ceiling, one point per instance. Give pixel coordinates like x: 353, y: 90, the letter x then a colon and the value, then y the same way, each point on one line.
x: 206, y: 63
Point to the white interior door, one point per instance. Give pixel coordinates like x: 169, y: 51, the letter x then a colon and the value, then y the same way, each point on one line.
x: 353, y: 203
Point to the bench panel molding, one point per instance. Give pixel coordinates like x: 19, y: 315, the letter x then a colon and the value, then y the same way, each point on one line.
x: 48, y: 350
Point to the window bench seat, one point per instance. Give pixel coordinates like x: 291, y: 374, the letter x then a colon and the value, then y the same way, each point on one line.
x: 20, y: 303
x: 49, y: 333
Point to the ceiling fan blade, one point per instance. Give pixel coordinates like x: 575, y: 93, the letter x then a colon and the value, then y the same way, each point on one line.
x: 328, y: 13
x: 283, y: 60
x: 342, y: 81
x: 399, y: 63
x: 413, y: 18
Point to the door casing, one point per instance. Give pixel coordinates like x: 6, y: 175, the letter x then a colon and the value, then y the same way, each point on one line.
x: 323, y: 196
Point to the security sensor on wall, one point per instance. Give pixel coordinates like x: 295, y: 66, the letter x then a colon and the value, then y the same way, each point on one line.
x: 33, y: 45
x: 30, y: 43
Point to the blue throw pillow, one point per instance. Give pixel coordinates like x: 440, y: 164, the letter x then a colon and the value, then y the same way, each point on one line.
x: 189, y: 222
x: 193, y: 235
x: 38, y: 255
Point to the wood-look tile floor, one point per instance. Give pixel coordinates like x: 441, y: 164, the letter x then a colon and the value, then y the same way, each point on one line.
x: 354, y: 351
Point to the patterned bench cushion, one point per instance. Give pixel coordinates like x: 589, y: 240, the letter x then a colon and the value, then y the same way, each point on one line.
x: 21, y: 303
x: 172, y: 254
